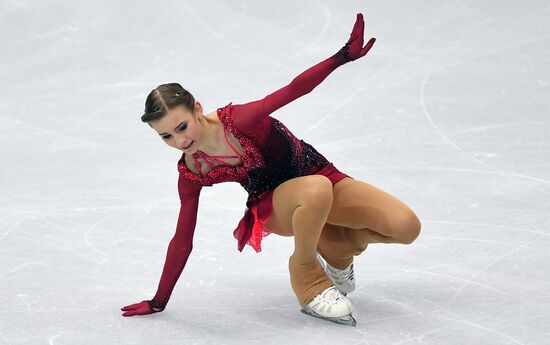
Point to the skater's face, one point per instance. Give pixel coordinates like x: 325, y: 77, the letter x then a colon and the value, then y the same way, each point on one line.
x: 180, y: 128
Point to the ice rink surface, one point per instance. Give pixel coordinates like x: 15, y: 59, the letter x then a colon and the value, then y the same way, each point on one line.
x: 449, y: 112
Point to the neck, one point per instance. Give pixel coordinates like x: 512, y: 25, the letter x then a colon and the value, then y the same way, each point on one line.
x: 210, y: 140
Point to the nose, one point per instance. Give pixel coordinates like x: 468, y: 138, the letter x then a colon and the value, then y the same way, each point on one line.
x: 182, y: 142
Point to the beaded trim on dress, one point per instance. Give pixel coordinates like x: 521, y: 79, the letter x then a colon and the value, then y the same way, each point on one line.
x: 225, y: 173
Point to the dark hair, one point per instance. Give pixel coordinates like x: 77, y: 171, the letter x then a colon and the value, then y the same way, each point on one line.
x: 164, y: 98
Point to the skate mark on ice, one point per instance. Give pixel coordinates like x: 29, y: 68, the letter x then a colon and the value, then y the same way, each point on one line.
x: 188, y: 10
x: 52, y: 338
x: 460, y: 319
x: 500, y: 258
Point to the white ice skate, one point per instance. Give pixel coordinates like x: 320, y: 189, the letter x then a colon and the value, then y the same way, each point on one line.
x: 344, y: 280
x: 331, y: 305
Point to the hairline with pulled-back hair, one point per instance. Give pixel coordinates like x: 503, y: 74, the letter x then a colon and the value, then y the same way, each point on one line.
x: 164, y: 98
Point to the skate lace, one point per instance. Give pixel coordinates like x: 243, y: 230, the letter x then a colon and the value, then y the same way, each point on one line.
x: 332, y: 294
x: 346, y: 274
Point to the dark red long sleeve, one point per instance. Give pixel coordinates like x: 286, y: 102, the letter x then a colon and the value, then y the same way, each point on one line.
x: 181, y: 244
x: 248, y: 116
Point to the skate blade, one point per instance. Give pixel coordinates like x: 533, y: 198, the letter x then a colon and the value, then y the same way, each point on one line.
x: 347, y: 320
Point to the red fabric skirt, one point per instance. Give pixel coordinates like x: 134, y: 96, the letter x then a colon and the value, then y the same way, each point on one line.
x: 251, y: 229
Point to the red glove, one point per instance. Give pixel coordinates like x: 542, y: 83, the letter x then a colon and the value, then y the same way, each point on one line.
x: 141, y: 308
x: 354, y: 49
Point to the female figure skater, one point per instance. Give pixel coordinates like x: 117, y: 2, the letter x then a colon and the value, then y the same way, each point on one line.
x: 293, y: 190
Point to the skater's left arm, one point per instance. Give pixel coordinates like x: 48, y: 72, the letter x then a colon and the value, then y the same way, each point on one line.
x: 248, y: 116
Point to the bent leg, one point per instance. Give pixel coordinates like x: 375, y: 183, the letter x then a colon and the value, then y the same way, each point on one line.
x: 380, y: 217
x: 300, y: 208
x: 337, y: 247
x: 363, y: 214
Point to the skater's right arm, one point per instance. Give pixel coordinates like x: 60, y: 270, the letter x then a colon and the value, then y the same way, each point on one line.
x: 178, y: 251
x: 248, y: 116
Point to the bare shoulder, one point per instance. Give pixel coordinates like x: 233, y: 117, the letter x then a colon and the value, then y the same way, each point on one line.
x: 213, y: 117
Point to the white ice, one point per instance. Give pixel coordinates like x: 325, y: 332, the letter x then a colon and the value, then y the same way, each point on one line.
x: 449, y: 112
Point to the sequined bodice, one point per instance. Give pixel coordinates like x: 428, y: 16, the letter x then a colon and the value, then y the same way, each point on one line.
x: 272, y: 156
x: 224, y: 172
x: 210, y: 162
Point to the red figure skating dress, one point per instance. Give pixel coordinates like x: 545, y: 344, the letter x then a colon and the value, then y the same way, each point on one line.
x: 272, y: 155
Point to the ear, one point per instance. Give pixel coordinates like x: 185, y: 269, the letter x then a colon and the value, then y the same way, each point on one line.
x: 198, y: 108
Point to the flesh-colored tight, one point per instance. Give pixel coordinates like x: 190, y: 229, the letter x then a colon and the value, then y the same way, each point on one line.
x: 337, y: 221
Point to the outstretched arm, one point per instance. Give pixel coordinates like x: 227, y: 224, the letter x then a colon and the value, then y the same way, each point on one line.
x: 247, y: 116
x: 181, y: 245
x: 178, y: 251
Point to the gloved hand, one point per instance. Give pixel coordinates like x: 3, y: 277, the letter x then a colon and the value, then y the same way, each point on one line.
x: 141, y: 308
x: 355, y: 41
x: 354, y: 49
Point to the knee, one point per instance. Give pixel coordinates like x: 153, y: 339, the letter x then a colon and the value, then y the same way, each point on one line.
x: 357, y: 247
x: 317, y: 192
x: 407, y: 227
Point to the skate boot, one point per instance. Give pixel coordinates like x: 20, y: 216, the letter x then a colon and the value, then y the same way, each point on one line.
x: 332, y: 306
x: 317, y: 295
x: 344, y: 280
